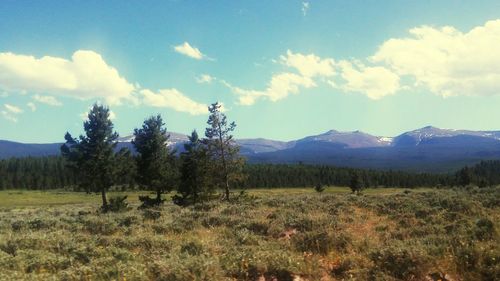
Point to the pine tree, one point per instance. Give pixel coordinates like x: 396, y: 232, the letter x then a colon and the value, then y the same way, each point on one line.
x: 92, y: 156
x: 356, y: 182
x: 195, y: 181
x: 224, y: 153
x: 464, y: 176
x: 155, y: 163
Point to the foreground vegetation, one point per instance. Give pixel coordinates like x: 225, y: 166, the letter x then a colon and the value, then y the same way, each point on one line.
x: 382, y: 234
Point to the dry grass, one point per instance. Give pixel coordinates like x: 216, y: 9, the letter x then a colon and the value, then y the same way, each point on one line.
x: 266, y: 235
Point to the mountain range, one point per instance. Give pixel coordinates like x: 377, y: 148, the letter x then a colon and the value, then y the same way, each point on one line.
x: 428, y: 149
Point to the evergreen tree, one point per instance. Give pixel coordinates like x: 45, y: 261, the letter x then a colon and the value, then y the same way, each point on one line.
x: 464, y: 176
x: 356, y: 182
x: 195, y: 181
x: 319, y: 188
x: 92, y: 156
x: 227, y: 165
x: 155, y: 163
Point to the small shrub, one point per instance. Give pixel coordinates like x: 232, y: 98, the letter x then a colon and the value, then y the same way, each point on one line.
x: 400, y: 262
x: 340, y: 268
x: 299, y: 223
x: 128, y: 221
x: 103, y: 227
x: 258, y: 228
x: 193, y: 248
x: 181, y: 224
x: 319, y: 188
x: 118, y: 204
x: 9, y: 247
x: 212, y: 221
x: 318, y: 242
x: 485, y: 229
x: 18, y: 225
x: 151, y: 214
x: 38, y: 224
x: 245, y: 237
x: 148, y: 202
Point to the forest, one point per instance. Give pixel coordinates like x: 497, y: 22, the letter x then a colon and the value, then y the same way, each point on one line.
x: 42, y: 173
x: 92, y: 163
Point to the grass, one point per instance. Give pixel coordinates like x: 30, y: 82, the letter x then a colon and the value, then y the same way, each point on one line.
x: 25, y: 198
x: 268, y: 234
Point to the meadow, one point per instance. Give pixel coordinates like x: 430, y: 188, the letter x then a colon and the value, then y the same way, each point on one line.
x: 263, y: 234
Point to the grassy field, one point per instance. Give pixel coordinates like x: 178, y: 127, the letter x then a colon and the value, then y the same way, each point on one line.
x: 24, y: 198
x: 268, y: 234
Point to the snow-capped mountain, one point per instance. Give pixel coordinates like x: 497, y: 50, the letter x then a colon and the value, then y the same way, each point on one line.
x: 428, y: 133
x: 425, y: 149
x: 355, y: 139
x: 173, y: 140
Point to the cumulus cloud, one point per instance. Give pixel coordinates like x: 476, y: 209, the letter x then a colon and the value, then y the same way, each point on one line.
x: 85, y: 76
x: 10, y: 112
x: 13, y: 109
x: 280, y: 86
x: 309, y: 65
x: 305, y: 8
x: 174, y: 99
x: 447, y: 61
x: 32, y: 106
x: 190, y: 51
x: 205, y: 79
x: 375, y: 82
x: 49, y: 100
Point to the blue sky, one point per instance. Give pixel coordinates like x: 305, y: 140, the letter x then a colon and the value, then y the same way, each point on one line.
x: 282, y: 69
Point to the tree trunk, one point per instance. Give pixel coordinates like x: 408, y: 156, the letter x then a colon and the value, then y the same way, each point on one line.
x: 104, y: 199
x: 227, y: 188
x: 158, y: 196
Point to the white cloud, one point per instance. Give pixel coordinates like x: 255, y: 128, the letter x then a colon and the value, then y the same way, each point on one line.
x: 375, y: 82
x: 85, y: 76
x: 280, y: 86
x: 174, y: 99
x: 47, y: 100
x: 205, y: 78
x: 10, y: 112
x: 446, y: 60
x: 13, y: 109
x: 32, y: 106
x: 309, y: 65
x: 190, y: 51
x: 305, y: 8
x: 8, y: 116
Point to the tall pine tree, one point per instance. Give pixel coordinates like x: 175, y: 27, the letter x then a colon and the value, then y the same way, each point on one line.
x: 227, y: 164
x: 195, y: 179
x: 93, y: 155
x: 155, y: 160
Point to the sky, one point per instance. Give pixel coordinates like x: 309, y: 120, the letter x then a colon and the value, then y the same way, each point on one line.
x: 282, y: 69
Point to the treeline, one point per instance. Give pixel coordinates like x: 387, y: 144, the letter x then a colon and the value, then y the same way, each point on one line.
x: 35, y: 173
x: 281, y: 175
x: 40, y: 173
x: 486, y: 173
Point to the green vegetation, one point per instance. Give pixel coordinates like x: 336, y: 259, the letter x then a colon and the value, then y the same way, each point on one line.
x: 92, y: 156
x: 225, y: 162
x: 155, y: 161
x: 381, y: 234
